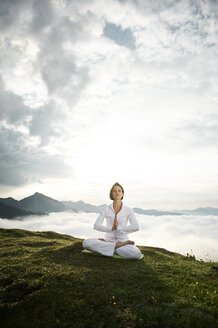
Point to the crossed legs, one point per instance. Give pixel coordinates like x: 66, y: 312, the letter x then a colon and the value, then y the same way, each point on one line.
x: 99, y: 246
x: 125, y: 249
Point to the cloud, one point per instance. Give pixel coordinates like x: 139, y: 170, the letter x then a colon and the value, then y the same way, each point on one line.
x: 199, y: 135
x: 11, y: 12
x: 22, y: 163
x: 42, y: 15
x: 175, y: 28
x: 58, y: 65
x: 13, y: 109
x: 183, y: 234
x: 33, y: 46
x: 46, y: 122
x: 130, y: 78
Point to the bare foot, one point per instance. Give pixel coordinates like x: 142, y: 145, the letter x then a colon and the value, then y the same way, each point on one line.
x: 120, y: 243
x: 102, y: 239
x: 131, y: 242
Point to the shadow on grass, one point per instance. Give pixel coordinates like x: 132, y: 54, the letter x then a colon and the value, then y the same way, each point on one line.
x: 142, y: 297
x: 131, y: 293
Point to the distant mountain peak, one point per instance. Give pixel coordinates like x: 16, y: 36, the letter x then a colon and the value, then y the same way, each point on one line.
x: 40, y: 202
x: 38, y: 194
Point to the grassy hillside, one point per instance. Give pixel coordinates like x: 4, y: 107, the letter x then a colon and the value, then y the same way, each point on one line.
x: 45, y: 281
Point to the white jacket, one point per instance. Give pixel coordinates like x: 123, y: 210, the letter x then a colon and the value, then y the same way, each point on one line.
x: 123, y: 216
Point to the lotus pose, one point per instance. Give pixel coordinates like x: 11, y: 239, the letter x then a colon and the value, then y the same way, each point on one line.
x: 116, y: 240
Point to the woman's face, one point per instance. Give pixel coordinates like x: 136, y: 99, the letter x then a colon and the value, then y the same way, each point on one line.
x: 117, y: 193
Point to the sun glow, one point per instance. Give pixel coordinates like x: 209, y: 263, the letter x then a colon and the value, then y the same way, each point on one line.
x: 104, y: 157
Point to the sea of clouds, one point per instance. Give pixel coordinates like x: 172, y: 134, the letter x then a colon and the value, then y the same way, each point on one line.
x: 196, y: 235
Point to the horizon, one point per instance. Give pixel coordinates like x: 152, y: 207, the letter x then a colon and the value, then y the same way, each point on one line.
x: 94, y: 93
x: 86, y: 202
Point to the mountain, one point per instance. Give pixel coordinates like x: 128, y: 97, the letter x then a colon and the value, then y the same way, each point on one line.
x: 10, y: 212
x: 200, y: 211
x: 81, y: 206
x: 40, y: 202
x: 10, y: 202
x: 88, y: 208
x: 37, y: 203
x: 154, y: 212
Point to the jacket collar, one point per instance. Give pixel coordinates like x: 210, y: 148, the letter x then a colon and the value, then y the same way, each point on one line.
x: 122, y: 207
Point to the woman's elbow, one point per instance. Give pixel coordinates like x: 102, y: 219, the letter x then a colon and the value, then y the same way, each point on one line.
x: 133, y: 228
x: 95, y: 227
x: 136, y: 227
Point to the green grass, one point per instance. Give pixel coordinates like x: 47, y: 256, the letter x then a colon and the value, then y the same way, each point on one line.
x: 46, y: 281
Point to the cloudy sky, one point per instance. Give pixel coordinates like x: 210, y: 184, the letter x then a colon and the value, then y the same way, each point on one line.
x: 93, y: 92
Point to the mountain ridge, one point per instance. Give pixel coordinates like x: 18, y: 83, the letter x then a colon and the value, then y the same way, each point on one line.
x: 10, y: 212
x: 45, y: 203
x: 40, y: 204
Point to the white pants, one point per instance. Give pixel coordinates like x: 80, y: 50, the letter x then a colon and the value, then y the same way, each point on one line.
x: 107, y: 248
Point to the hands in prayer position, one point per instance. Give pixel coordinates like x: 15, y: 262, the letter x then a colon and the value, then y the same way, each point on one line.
x: 119, y: 243
x: 115, y: 225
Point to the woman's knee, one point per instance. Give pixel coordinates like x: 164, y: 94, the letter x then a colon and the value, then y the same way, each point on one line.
x: 89, y: 242
x: 137, y: 253
x: 129, y: 251
x: 86, y: 243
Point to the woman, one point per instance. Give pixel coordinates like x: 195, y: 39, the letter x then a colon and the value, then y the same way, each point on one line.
x: 116, y: 240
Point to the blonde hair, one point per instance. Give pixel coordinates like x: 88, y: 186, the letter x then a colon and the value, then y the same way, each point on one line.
x: 116, y: 184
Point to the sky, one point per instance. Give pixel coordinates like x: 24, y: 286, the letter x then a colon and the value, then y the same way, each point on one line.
x: 95, y: 92
x: 184, y: 234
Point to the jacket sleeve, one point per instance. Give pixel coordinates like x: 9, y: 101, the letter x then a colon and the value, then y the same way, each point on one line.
x: 99, y: 222
x: 134, y: 226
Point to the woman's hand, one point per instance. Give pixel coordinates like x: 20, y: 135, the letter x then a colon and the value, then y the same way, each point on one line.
x: 115, y: 225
